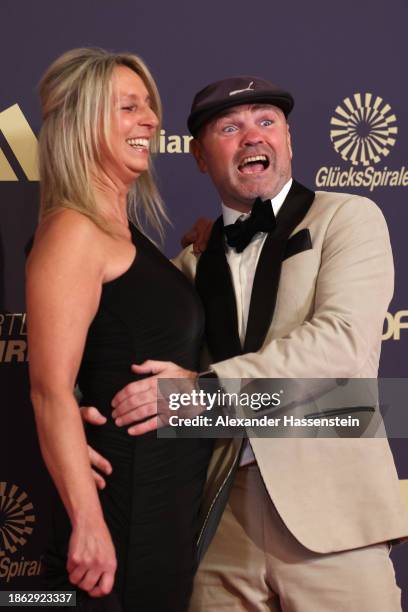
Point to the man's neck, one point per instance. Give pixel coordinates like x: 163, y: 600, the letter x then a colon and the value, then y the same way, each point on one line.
x: 232, y: 212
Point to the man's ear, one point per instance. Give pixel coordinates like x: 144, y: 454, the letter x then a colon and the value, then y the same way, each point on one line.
x: 289, y: 140
x: 196, y: 150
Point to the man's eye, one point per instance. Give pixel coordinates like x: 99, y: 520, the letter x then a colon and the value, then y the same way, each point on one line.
x: 266, y: 122
x: 229, y: 128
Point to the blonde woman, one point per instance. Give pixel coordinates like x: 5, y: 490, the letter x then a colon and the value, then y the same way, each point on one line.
x: 101, y: 296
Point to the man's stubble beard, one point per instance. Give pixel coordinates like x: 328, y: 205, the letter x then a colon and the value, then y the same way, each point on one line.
x: 246, y: 196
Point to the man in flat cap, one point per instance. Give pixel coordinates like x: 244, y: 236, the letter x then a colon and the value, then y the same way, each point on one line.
x: 295, y: 284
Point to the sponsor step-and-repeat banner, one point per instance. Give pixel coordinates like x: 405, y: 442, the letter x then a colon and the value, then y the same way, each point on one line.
x: 17, y: 523
x: 13, y: 337
x: 349, y: 132
x: 363, y: 131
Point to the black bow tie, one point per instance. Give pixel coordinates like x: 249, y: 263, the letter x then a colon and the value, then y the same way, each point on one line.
x: 261, y: 219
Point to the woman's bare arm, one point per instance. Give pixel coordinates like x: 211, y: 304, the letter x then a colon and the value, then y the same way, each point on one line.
x: 64, y: 279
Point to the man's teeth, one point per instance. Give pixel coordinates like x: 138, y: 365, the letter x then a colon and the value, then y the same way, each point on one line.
x: 254, y: 158
x: 138, y: 142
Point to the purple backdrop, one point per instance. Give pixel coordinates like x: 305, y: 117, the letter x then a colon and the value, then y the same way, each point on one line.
x: 323, y: 53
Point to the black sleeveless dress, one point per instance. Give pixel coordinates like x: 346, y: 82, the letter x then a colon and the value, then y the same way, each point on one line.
x: 152, y: 498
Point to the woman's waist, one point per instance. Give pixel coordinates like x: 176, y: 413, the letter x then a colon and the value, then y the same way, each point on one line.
x: 120, y: 448
x: 101, y: 383
x: 98, y: 387
x: 95, y: 366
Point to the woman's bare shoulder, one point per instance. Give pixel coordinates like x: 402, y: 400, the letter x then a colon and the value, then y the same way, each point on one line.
x: 67, y: 222
x: 66, y: 235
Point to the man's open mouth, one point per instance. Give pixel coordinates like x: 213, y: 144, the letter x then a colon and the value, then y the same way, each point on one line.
x: 253, y: 164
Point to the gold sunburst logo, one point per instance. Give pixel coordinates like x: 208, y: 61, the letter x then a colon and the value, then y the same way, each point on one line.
x: 363, y: 129
x: 16, y: 518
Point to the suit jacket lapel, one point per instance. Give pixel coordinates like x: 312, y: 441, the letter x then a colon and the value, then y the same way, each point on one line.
x: 214, y: 284
x: 267, y: 275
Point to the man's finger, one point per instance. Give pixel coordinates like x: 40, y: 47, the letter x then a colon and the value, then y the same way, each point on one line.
x: 142, y: 368
x: 145, y: 427
x: 198, y: 235
x: 188, y: 238
x: 204, y: 237
x: 135, y: 403
x: 131, y: 389
x: 91, y: 415
x: 150, y: 367
x: 137, y: 414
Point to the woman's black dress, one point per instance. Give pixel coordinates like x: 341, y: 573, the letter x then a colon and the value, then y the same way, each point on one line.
x: 153, y: 495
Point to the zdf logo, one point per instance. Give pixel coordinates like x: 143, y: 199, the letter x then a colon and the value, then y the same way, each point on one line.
x: 393, y: 325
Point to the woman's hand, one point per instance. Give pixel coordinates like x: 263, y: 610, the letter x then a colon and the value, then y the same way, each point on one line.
x: 91, y: 415
x: 91, y: 560
x: 102, y: 464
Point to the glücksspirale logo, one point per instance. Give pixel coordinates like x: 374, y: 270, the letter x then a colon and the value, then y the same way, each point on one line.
x: 363, y: 129
x: 16, y: 518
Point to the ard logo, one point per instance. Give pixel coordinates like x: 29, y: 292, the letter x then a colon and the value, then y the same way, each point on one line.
x: 22, y: 142
x: 363, y: 129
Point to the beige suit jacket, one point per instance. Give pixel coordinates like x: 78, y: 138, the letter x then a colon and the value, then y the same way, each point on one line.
x: 332, y: 494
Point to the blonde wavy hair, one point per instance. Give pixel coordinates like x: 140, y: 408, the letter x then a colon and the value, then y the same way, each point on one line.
x: 76, y: 99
